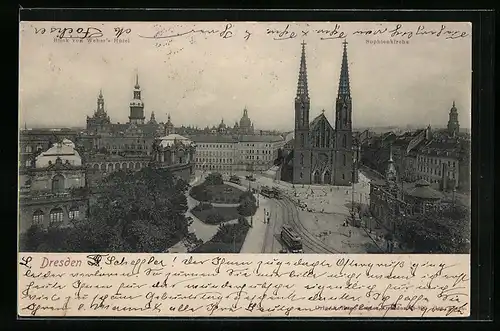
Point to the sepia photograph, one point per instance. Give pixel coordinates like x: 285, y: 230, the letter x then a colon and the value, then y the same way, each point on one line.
x: 245, y: 137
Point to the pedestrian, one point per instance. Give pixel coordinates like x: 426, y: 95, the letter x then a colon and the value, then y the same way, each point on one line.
x: 350, y: 233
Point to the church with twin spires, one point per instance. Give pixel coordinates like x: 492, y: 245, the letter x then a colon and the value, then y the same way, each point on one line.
x: 322, y: 154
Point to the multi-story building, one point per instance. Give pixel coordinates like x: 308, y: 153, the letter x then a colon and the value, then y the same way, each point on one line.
x: 34, y: 141
x: 53, y: 191
x: 175, y: 153
x: 236, y: 153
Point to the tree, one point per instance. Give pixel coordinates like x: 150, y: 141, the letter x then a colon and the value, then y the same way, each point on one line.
x: 247, y: 207
x: 135, y: 212
x: 201, y: 193
x: 445, y: 230
x: 214, y: 178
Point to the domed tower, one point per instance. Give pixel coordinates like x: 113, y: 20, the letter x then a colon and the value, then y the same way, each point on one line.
x: 453, y: 125
x: 137, y: 105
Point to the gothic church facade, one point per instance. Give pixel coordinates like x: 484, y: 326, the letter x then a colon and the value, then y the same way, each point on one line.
x: 323, y: 154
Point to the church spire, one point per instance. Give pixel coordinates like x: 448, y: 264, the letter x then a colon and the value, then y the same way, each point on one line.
x: 302, y: 90
x: 137, y: 86
x: 344, y: 88
x: 100, y: 103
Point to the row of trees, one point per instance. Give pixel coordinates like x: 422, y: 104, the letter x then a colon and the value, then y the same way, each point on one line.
x: 141, y: 211
x: 444, y: 230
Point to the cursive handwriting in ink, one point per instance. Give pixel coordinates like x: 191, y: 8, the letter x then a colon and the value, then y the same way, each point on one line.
x: 95, y: 259
x: 25, y: 261
x: 225, y: 33
x: 226, y: 285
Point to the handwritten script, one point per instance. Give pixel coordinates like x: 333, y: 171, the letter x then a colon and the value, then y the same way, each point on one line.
x: 160, y: 32
x: 243, y: 285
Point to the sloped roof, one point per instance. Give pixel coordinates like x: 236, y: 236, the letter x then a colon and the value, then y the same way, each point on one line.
x: 318, y: 120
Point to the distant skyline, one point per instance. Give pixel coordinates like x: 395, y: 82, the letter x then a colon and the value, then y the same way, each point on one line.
x: 200, y: 81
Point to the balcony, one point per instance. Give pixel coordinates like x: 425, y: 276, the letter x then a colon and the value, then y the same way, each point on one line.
x: 27, y: 195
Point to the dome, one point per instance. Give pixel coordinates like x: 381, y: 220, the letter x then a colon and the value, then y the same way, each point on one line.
x: 173, y: 138
x: 64, y: 150
x: 422, y: 190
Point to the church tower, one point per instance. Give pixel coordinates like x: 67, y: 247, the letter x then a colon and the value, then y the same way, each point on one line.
x: 301, y: 149
x: 343, y: 127
x: 136, y: 105
x: 453, y: 125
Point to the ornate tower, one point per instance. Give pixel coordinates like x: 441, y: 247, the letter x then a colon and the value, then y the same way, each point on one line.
x: 100, y: 117
x: 391, y: 174
x: 301, y: 149
x: 100, y: 104
x: 136, y: 105
x: 152, y: 119
x: 169, y: 127
x: 453, y: 125
x: 344, y: 167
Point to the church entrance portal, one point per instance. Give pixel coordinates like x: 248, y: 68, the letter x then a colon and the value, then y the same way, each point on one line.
x: 327, y: 177
x: 317, y: 177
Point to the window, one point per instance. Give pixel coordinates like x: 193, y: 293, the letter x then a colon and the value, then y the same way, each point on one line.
x: 344, y: 141
x: 58, y: 184
x: 345, y: 159
x: 28, y: 149
x: 74, y: 213
x: 56, y: 216
x: 38, y: 217
x: 28, y: 163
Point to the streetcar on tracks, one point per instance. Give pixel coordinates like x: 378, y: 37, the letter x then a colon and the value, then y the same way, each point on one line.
x: 291, y: 239
x: 270, y: 192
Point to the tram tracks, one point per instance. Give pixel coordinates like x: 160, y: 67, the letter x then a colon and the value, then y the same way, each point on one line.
x: 308, y: 239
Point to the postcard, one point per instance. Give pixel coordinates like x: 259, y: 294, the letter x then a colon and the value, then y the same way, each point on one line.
x: 244, y: 169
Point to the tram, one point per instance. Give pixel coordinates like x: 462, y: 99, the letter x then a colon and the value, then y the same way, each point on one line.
x: 291, y: 239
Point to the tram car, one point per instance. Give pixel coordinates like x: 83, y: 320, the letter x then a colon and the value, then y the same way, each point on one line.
x: 291, y: 239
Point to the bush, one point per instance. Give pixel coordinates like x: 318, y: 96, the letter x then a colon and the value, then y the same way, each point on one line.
x: 214, y: 178
x: 215, y: 218
x: 201, y: 193
x: 247, y: 207
x: 203, y: 206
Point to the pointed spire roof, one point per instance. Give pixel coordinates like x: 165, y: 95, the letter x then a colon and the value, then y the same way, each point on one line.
x: 344, y: 88
x: 453, y: 108
x: 100, y: 94
x: 302, y: 89
x: 137, y: 86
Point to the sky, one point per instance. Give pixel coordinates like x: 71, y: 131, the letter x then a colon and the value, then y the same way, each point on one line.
x: 201, y: 77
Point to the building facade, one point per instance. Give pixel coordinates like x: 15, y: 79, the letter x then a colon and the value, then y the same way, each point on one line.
x: 175, y: 153
x: 321, y: 153
x: 226, y: 153
x: 32, y: 142
x: 54, y: 191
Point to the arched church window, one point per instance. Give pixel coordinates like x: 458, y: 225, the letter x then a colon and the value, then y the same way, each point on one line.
x: 58, y: 184
x: 302, y: 140
x: 301, y: 159
x: 345, y: 159
x: 344, y: 141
